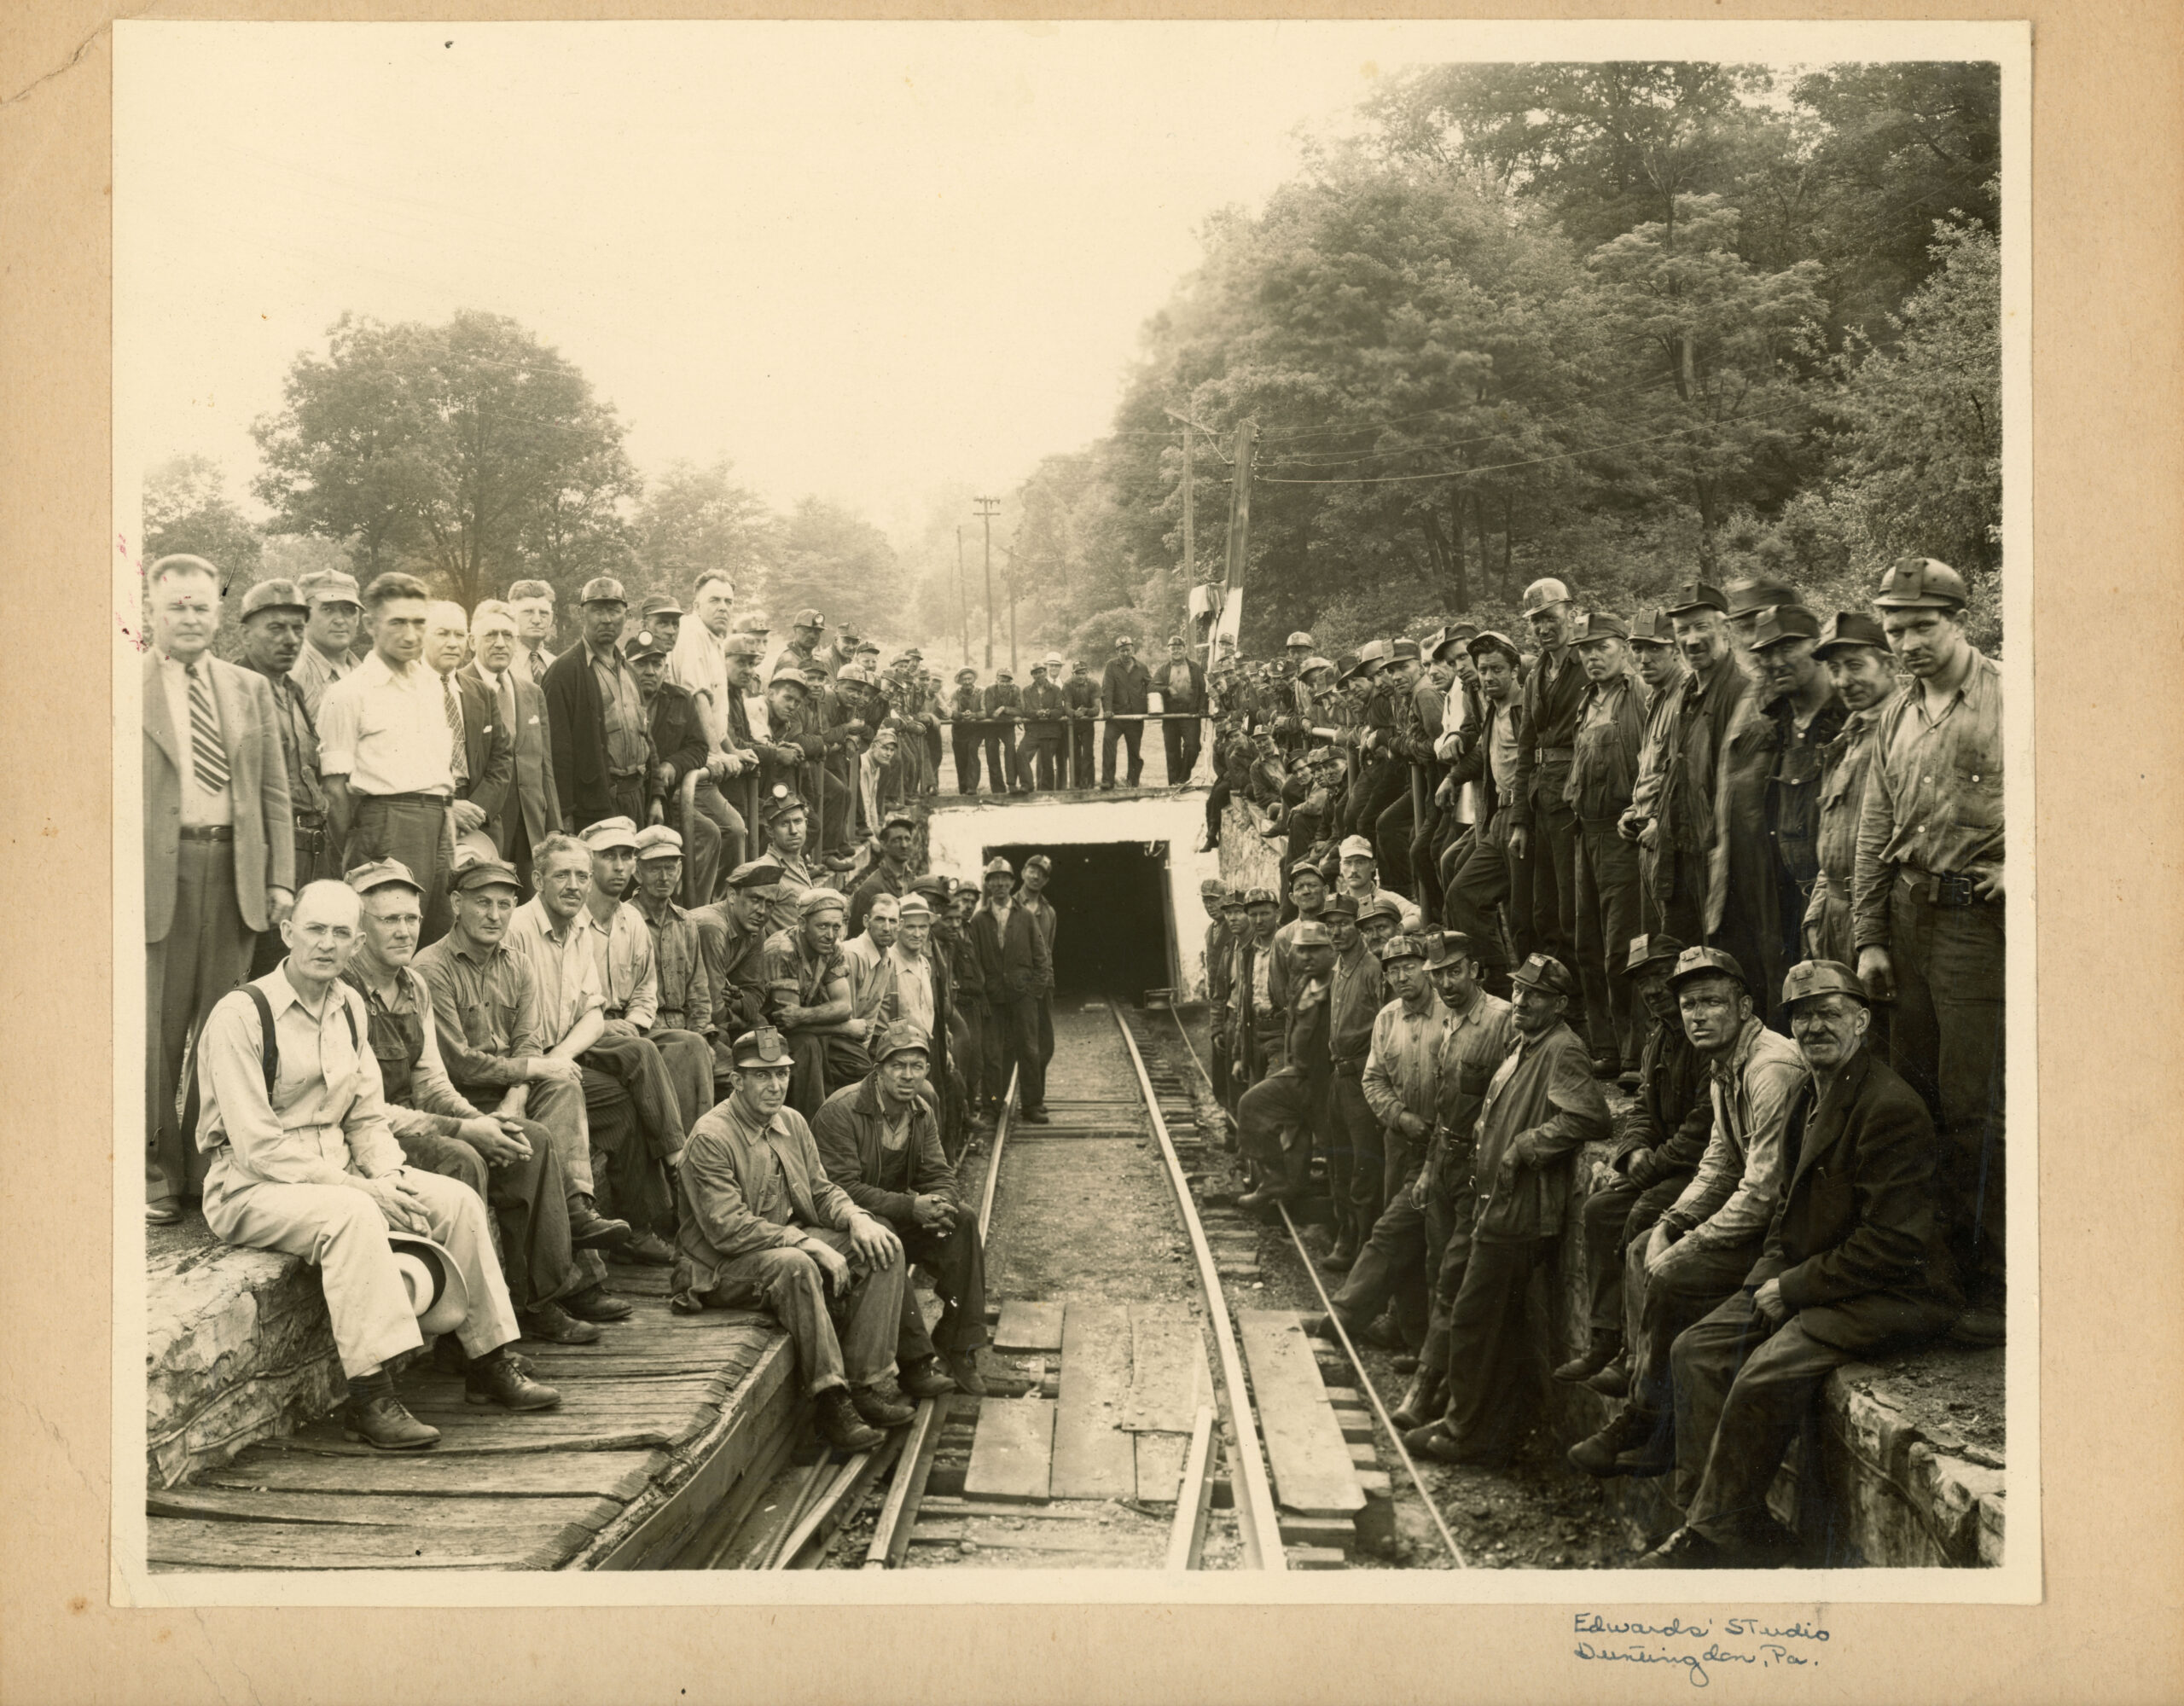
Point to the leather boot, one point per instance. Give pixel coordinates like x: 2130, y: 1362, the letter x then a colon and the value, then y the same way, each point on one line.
x: 646, y: 1249
x: 1424, y: 1400
x: 379, y: 1419
x: 1605, y: 1346
x: 589, y: 1229
x: 597, y: 1304
x: 962, y: 1367
x: 551, y: 1324
x: 1343, y: 1256
x: 878, y: 1408
x: 500, y: 1379
x: 1613, y: 1381
x: 838, y: 1422
x: 926, y: 1379
x: 1596, y: 1454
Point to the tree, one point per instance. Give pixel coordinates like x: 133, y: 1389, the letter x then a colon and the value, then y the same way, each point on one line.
x: 840, y: 564
x: 692, y: 519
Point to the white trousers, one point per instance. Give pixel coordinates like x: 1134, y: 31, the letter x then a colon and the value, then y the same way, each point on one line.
x: 341, y: 1231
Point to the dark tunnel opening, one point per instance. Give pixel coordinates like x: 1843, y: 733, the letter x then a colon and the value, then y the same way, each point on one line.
x: 1111, y: 929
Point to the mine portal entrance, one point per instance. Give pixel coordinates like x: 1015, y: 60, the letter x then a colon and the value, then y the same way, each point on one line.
x: 1113, y: 932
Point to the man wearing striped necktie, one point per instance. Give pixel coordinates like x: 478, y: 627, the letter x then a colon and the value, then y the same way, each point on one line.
x: 219, y: 849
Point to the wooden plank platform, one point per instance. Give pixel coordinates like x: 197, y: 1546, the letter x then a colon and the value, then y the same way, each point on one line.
x: 1313, y: 1475
x: 1093, y: 1458
x: 1168, y: 1378
x: 1159, y: 1464
x: 1012, y: 1454
x: 1026, y: 1327
x: 656, y: 1421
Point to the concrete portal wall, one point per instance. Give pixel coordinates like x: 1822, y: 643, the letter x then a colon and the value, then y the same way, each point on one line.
x: 961, y: 830
x: 1248, y: 859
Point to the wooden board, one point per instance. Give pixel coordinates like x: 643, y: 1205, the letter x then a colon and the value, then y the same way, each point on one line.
x: 1092, y: 1456
x: 620, y: 1475
x: 179, y: 1543
x: 1012, y: 1457
x: 1160, y: 1466
x: 1168, y: 1378
x: 373, y: 1511
x: 1029, y: 1326
x: 1309, y: 1459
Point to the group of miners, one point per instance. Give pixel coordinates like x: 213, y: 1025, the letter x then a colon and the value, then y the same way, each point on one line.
x: 1738, y: 859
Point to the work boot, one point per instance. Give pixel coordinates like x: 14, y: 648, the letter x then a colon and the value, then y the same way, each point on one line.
x: 1421, y: 1403
x: 551, y: 1324
x: 1608, y: 1066
x: 1403, y: 1363
x: 646, y: 1249
x: 1650, y: 1454
x: 1270, y: 1192
x: 1320, y: 1326
x: 589, y: 1229
x: 1629, y: 1428
x: 597, y: 1304
x: 1605, y: 1346
x: 1035, y: 1116
x: 838, y: 1422
x: 878, y: 1408
x: 1613, y: 1380
x: 926, y: 1379
x: 1344, y: 1257
x: 1687, y: 1549
x: 500, y: 1379
x: 379, y: 1419
x: 962, y: 1367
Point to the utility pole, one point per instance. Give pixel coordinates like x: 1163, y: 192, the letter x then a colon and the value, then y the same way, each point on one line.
x: 988, y: 509
x: 1239, y: 506
x: 963, y: 596
x: 1009, y: 552
x: 1190, y: 520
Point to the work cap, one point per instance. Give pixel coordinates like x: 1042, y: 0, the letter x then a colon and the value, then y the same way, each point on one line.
x: 761, y: 1048
x: 1039, y: 669
x: 1810, y: 978
x: 866, y: 648
x: 1039, y: 859
x: 659, y: 604
x: 1650, y: 950
x: 809, y: 619
x: 1706, y: 962
x: 380, y: 872
x: 1344, y: 906
x: 915, y: 655
x: 602, y: 589
x: 1312, y: 663
x: 1695, y: 595
x: 893, y: 818
x: 904, y: 1036
x: 609, y: 831
x: 999, y: 867
x: 1346, y: 668
x: 1300, y: 638
x: 330, y: 586
x: 967, y: 674
x: 1079, y: 665
x: 1004, y: 675
x: 1545, y: 972
x: 1446, y: 947
x: 1372, y: 651
x: 816, y: 672
x: 1212, y: 888
x: 1545, y: 595
x: 755, y: 874
x: 1379, y: 907
x: 935, y: 884
x: 1850, y: 628
x: 781, y: 802
x: 1920, y: 583
x: 821, y: 900
x: 484, y: 873
x: 273, y: 595
x: 1494, y: 639
x: 914, y: 905
x: 1235, y: 901
x: 1260, y: 897
x: 1599, y: 624
x: 1405, y: 651
x: 1125, y: 640
x: 1746, y: 596
x: 658, y: 841
x: 1306, y: 868
x: 743, y: 643
x: 1401, y: 948
x: 788, y: 671
x: 1356, y: 847
x: 1652, y: 628
x: 1780, y: 622
x: 848, y: 631
x: 1313, y: 934
x: 647, y: 642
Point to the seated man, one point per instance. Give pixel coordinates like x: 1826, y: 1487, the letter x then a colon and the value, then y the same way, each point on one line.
x: 508, y: 1160
x: 1659, y: 1141
x: 787, y: 822
x: 732, y: 939
x: 302, y: 1161
x: 685, y: 993
x: 922, y: 991
x: 636, y: 1124
x: 880, y: 1142
x: 1278, y: 1116
x: 808, y: 1002
x: 1856, y: 1265
x: 1706, y: 1241
x: 485, y: 1017
x: 762, y: 1227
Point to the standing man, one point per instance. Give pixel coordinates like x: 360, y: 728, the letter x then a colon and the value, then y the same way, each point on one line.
x: 1261, y: 1012
x: 880, y: 1142
x: 1011, y: 948
x: 219, y: 849
x: 1032, y: 896
x: 1004, y: 709
x: 389, y: 733
x: 898, y: 840
x: 680, y: 749
x: 1356, y: 1160
x: 1928, y: 906
x: 763, y: 1227
x: 699, y: 664
x: 923, y: 992
x: 532, y: 605
x: 602, y: 738
x: 1124, y: 689
x: 1853, y: 651
x: 1182, y: 700
x: 1540, y: 1107
x: 1278, y: 1115
x: 1610, y: 733
x: 1544, y: 839
x: 1481, y: 880
x: 485, y: 763
x: 809, y: 1001
x: 1806, y: 714
x: 530, y: 809
x: 273, y: 619
x: 966, y: 729
x: 332, y: 618
x: 1044, y: 709
x: 1082, y: 695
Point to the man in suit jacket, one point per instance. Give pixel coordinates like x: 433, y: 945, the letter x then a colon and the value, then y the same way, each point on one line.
x: 219, y: 849
x: 488, y: 742
x: 1182, y: 682
x: 1855, y: 1264
x: 602, y: 746
x: 1123, y: 686
x: 529, y: 809
x: 1012, y: 963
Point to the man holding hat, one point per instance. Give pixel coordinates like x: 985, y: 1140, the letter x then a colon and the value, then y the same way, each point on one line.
x: 1015, y: 971
x: 763, y: 1227
x: 595, y: 712
x: 1927, y: 907
x: 1278, y: 1115
x: 1081, y: 694
x: 1541, y: 1106
x: 303, y: 1160
x: 1853, y: 651
x: 732, y: 940
x: 1705, y: 1243
x: 1611, y: 732
x: 809, y: 1002
x: 273, y: 620
x: 1856, y: 1266
x: 1125, y: 687
x: 334, y: 616
x: 880, y: 1142
x: 1039, y: 760
x: 680, y: 749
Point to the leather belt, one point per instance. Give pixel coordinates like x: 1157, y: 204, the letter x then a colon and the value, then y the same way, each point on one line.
x: 1564, y: 753
x: 1942, y: 888
x: 1344, y: 1069
x: 422, y: 798
x: 208, y: 831
x: 624, y: 775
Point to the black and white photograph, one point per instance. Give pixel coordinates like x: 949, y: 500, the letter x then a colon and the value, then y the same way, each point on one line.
x: 1206, y: 812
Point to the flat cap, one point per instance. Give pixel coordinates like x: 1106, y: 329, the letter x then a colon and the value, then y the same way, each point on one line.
x: 1356, y: 847
x: 1810, y: 978
x: 1405, y: 651
x: 914, y: 654
x: 1706, y: 962
x: 1920, y: 583
x: 1695, y: 595
x: 330, y: 586
x: 602, y: 589
x: 1401, y: 947
x: 1311, y: 933
x: 273, y: 595
x: 380, y: 872
x: 1652, y: 628
x: 1781, y: 622
x: 821, y: 900
x: 1306, y: 868
x: 999, y: 867
x: 1746, y: 596
x: 1650, y: 950
x: 868, y: 647
x: 755, y: 874
x: 1600, y: 625
x: 809, y: 619
x: 1543, y: 595
x: 658, y: 841
x: 893, y: 818
x: 904, y: 1036
x: 1340, y: 906
x: 1545, y: 972
x: 1850, y: 628
x: 659, y: 604
x: 608, y: 832
x: 1212, y: 888
x: 1260, y: 897
x: 761, y: 1048
x: 648, y: 643
x: 481, y: 873
x: 1300, y: 638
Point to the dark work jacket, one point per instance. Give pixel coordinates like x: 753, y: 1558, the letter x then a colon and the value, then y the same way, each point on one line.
x: 1474, y: 765
x: 1552, y: 692
x: 678, y: 738
x: 1002, y: 698
x: 578, y: 727
x: 488, y: 746
x: 851, y: 1130
x: 1856, y: 1240
x: 1665, y: 1132
x: 1014, y: 966
x: 1044, y: 708
x: 966, y: 982
x: 1123, y: 685
x: 1081, y: 693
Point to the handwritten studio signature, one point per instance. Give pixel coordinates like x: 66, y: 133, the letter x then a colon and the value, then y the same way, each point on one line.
x: 1728, y: 1642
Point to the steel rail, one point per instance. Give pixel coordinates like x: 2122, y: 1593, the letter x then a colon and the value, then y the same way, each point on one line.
x: 1356, y: 1362
x: 1256, y: 1522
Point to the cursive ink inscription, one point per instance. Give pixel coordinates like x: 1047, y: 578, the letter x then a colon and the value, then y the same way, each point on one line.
x: 1693, y: 1646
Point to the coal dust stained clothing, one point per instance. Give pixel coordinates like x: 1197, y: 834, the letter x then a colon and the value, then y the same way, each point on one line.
x: 872, y: 978
x: 628, y: 984
x: 1014, y: 971
x: 600, y: 751
x: 1003, y: 707
x: 967, y: 712
x: 677, y: 732
x: 1611, y: 732
x: 1687, y: 738
x: 1842, y: 794
x: 684, y: 993
x: 1933, y: 799
x: 886, y: 1159
x: 1040, y: 762
x: 1731, y: 1196
x: 884, y: 878
x: 754, y: 1200
x: 291, y: 721
x: 825, y: 1057
x: 1125, y: 686
x: 1862, y: 1259
x: 287, y: 1170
